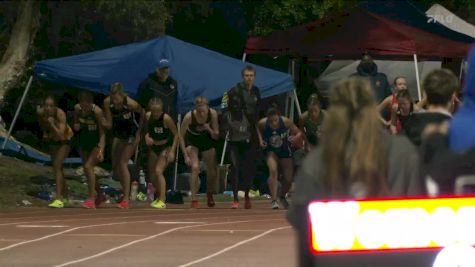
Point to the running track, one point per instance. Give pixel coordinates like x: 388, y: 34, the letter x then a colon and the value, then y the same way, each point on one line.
x: 178, y: 236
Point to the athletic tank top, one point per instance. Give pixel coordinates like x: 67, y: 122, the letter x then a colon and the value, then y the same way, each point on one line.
x: 313, y: 129
x: 196, y: 128
x: 239, y: 130
x: 88, y: 122
x: 401, y: 120
x: 276, y: 138
x: 157, y: 130
x: 123, y: 119
x: 68, y: 132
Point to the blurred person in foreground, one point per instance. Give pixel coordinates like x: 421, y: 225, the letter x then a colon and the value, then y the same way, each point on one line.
x: 357, y: 160
x: 462, y: 127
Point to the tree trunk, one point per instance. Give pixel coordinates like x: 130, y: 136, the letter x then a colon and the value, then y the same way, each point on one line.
x: 13, y: 61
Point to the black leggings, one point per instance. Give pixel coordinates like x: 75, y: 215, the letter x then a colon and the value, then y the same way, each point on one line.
x: 243, y: 165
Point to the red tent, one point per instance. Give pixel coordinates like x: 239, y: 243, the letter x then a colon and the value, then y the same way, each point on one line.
x: 350, y: 34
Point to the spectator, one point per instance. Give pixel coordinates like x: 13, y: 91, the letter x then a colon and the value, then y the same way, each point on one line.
x: 161, y: 85
x: 440, y: 86
x: 357, y: 160
x: 379, y: 82
x: 402, y: 112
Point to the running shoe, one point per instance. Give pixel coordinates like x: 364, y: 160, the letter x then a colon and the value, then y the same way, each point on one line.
x: 158, y: 204
x: 88, y: 204
x: 100, y: 199
x: 247, y: 203
x: 194, y: 204
x: 124, y: 204
x: 211, y: 203
x: 141, y: 196
x: 284, y: 202
x: 235, y: 205
x: 56, y: 204
x: 275, y: 205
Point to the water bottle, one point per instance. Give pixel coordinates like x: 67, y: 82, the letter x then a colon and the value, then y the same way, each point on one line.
x: 151, y: 191
x: 143, y: 183
x: 134, y: 189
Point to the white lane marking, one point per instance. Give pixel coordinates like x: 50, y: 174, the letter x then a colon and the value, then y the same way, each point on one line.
x: 151, y: 237
x: 84, y: 214
x: 182, y: 222
x: 93, y: 216
x: 223, y: 230
x: 233, y: 246
x: 41, y: 226
x: 109, y: 224
x: 104, y: 235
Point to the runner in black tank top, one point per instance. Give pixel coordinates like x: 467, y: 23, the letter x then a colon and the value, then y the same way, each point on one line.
x: 162, y: 138
x: 124, y: 125
x: 57, y: 135
x: 200, y: 129
x: 88, y: 122
x: 119, y: 112
x: 311, y: 121
x: 277, y: 133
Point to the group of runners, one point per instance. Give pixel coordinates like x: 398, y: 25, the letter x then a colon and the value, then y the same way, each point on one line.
x: 247, y: 134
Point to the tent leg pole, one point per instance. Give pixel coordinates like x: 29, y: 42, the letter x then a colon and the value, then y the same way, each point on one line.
x: 296, y: 99
x: 175, y: 172
x: 292, y: 106
x: 17, y: 112
x: 419, y: 93
x: 461, y: 70
x: 244, y: 55
x: 286, y: 104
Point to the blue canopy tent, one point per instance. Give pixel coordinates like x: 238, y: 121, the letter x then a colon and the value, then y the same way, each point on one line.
x: 198, y: 71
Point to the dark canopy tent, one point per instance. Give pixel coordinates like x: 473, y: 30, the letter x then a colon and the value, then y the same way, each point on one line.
x: 198, y: 71
x: 386, y: 29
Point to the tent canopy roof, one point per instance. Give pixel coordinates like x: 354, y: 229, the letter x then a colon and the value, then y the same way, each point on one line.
x: 198, y: 71
x: 391, y: 29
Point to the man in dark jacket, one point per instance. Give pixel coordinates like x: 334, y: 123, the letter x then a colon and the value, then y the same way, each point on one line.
x: 379, y: 82
x: 245, y: 96
x: 160, y: 84
x: 243, y: 102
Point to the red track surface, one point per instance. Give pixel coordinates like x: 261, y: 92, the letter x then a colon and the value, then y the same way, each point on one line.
x: 177, y: 236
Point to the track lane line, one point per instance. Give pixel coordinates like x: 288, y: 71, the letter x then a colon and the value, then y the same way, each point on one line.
x: 233, y: 246
x: 152, y: 237
x: 106, y: 224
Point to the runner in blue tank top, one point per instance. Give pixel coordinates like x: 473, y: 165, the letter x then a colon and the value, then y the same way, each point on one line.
x: 275, y: 140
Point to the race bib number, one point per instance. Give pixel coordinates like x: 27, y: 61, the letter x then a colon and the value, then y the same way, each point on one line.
x: 127, y: 115
x: 158, y: 130
x: 92, y: 127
